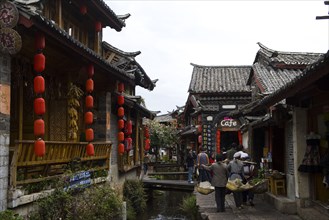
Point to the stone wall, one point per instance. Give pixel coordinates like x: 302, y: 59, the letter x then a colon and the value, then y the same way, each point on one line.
x: 4, y: 127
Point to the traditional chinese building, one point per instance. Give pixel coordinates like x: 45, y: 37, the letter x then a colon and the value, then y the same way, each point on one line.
x: 68, y: 100
x: 213, y: 92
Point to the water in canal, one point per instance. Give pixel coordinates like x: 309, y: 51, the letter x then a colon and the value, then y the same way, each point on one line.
x: 164, y: 205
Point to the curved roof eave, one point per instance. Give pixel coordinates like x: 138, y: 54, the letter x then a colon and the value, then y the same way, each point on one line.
x: 48, y: 26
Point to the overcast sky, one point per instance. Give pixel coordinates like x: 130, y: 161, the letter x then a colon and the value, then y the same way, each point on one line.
x: 172, y: 34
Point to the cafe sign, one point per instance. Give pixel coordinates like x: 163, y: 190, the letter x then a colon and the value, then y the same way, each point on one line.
x: 229, y: 124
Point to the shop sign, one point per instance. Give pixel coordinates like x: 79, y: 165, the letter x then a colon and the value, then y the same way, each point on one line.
x: 229, y: 123
x: 79, y: 180
x: 10, y: 41
x: 8, y: 15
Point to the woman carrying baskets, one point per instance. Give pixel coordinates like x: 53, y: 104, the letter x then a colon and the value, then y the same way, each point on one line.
x: 219, y: 181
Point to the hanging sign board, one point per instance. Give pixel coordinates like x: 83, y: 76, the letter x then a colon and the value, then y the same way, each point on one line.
x: 5, y: 99
x: 229, y: 124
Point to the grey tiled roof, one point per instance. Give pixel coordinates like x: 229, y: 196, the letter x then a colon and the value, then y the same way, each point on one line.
x: 274, y: 69
x: 279, y: 58
x: 219, y: 79
x: 272, y: 79
x: 34, y: 8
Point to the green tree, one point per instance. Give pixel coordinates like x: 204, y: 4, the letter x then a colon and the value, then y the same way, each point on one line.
x: 161, y: 135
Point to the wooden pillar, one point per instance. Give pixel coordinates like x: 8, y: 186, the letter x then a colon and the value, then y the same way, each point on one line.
x: 59, y: 20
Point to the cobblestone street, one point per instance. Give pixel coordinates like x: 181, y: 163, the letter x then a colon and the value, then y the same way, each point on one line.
x: 261, y: 210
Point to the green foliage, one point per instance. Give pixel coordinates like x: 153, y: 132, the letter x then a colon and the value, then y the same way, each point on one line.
x: 162, y: 135
x: 134, y: 195
x: 189, y: 206
x: 9, y: 215
x: 97, y: 202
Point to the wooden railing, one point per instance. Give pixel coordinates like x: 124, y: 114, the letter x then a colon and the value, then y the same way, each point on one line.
x: 60, y: 157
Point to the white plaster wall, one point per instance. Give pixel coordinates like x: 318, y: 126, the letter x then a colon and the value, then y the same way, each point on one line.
x: 302, y: 183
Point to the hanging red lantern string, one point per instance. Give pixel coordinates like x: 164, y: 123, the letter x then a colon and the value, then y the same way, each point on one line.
x: 83, y: 9
x: 121, y: 112
x: 39, y: 127
x: 121, y: 148
x: 39, y: 147
x: 121, y: 122
x: 98, y: 26
x: 90, y: 150
x: 39, y: 105
x: 121, y: 99
x: 39, y: 85
x: 240, y: 137
x: 218, y: 141
x: 39, y: 63
x: 129, y: 127
x: 89, y: 116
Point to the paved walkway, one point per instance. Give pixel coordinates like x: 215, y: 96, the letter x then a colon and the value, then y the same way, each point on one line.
x: 261, y: 210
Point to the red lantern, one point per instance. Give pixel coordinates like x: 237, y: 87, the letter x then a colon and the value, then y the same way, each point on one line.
x: 89, y: 102
x: 83, y: 9
x: 89, y: 134
x: 90, y: 150
x: 90, y: 85
x: 121, y: 99
x: 39, y: 62
x: 200, y: 139
x: 240, y: 137
x: 121, y: 148
x: 39, y: 106
x: 89, y: 118
x: 128, y: 144
x: 39, y: 41
x: 199, y: 128
x: 39, y: 85
x: 121, y: 124
x: 39, y: 127
x: 129, y: 127
x: 121, y: 112
x: 121, y: 136
x: 147, y: 133
x: 147, y: 144
x: 39, y: 148
x: 218, y: 141
x: 98, y: 26
x: 121, y: 87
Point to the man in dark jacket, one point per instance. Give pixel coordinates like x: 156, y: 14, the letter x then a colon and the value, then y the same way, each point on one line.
x: 190, y: 165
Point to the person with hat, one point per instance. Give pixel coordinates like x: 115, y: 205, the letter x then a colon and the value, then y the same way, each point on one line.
x: 235, y: 168
x: 219, y: 180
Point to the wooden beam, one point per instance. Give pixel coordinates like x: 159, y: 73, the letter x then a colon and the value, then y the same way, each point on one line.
x: 322, y: 17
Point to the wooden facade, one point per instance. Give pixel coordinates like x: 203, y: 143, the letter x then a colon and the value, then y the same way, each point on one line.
x: 73, y: 42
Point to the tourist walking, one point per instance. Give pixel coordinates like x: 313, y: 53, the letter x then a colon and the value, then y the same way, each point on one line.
x: 190, y: 165
x: 235, y: 168
x: 203, y: 159
x: 219, y: 181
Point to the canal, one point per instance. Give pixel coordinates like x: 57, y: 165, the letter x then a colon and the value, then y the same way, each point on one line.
x: 165, y: 205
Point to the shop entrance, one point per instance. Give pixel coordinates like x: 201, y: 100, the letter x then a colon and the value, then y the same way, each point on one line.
x: 227, y: 138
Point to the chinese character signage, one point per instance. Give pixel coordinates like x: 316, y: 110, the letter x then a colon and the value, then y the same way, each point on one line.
x: 206, y: 136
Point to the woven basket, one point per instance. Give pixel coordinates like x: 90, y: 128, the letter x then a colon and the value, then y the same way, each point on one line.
x: 205, y: 188
x: 204, y: 191
x: 260, y: 187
